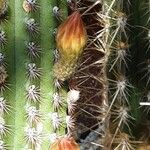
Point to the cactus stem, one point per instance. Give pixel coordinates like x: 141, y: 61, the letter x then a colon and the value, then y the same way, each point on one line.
x: 48, y: 23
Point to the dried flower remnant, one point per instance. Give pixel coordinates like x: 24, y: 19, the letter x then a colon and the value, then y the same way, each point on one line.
x: 71, y: 38
x: 26, y: 6
x: 29, y: 5
x: 3, y: 6
x: 65, y: 143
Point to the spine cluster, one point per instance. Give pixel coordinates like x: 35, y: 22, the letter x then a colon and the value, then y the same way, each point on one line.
x: 33, y: 127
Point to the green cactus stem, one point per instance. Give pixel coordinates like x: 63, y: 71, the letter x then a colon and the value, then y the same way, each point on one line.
x: 20, y: 85
x: 48, y: 25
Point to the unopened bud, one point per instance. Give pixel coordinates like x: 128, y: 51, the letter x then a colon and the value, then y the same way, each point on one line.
x: 71, y: 38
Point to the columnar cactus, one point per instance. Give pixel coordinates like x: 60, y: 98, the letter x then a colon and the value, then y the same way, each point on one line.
x: 74, y: 74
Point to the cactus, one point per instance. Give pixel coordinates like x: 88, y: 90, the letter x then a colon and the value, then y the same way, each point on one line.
x: 74, y: 74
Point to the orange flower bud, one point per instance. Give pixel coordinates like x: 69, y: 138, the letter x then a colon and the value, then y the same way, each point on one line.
x: 71, y: 36
x: 71, y: 39
x: 65, y: 144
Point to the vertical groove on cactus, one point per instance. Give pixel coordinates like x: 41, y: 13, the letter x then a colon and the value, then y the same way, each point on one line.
x: 48, y: 23
x: 20, y: 85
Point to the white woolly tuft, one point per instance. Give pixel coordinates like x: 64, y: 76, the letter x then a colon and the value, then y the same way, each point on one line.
x: 73, y: 96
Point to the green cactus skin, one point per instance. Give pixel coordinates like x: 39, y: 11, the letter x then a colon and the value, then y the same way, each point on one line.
x: 20, y: 78
x: 10, y: 55
x: 48, y: 24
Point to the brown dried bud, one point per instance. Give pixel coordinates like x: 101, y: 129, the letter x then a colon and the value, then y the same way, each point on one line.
x: 3, y: 6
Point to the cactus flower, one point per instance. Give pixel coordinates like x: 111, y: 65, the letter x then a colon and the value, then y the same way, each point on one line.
x: 65, y: 144
x: 71, y: 38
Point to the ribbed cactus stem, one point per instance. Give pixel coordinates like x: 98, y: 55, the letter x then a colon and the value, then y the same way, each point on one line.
x: 48, y: 25
x: 9, y: 53
x: 117, y: 48
x: 61, y: 15
x: 20, y: 78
